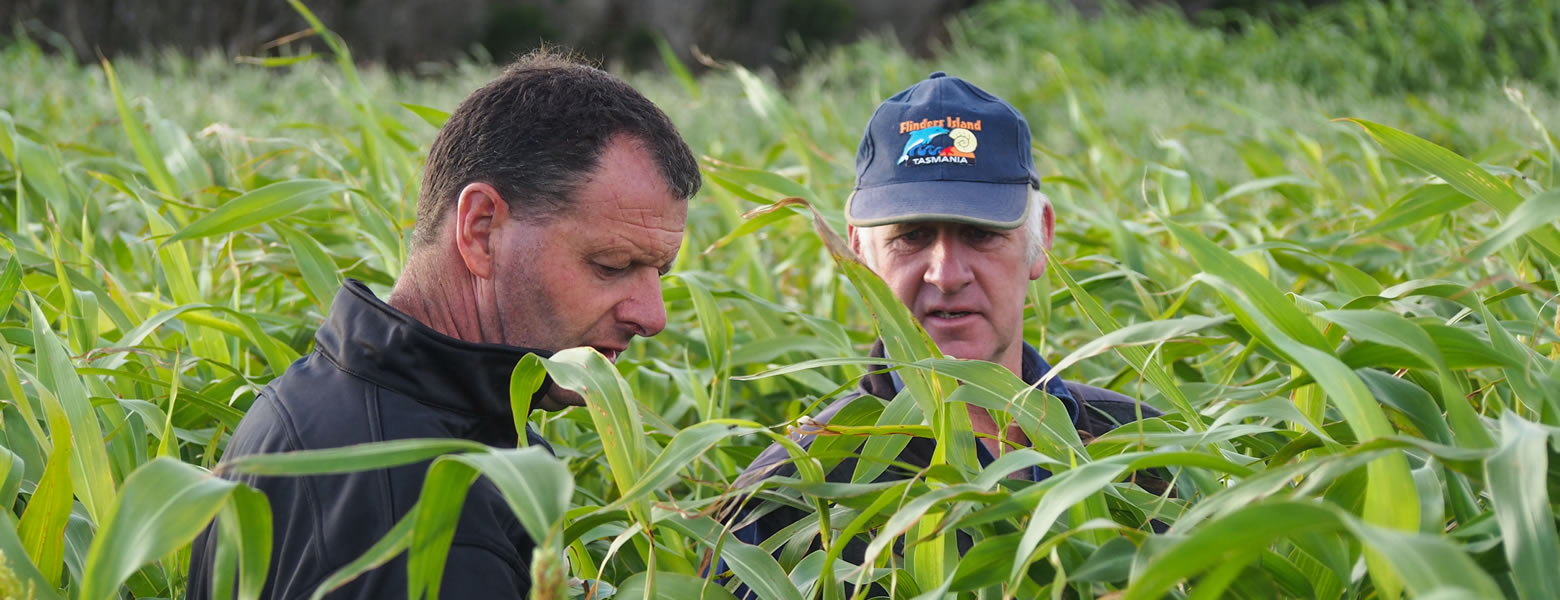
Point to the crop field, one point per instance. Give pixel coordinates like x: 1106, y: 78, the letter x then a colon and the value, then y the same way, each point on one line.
x: 1326, y: 249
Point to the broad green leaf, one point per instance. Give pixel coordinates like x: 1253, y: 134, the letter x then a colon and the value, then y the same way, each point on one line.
x: 146, y: 151
x: 687, y: 446
x: 90, y: 474
x: 259, y: 206
x: 1391, y: 497
x: 165, y: 504
x: 717, y: 344
x: 671, y: 586
x: 1064, y: 490
x: 320, y: 277
x: 1137, y: 357
x: 1139, y: 334
x: 1423, y: 203
x: 612, y: 410
x: 1253, y: 286
x: 752, y: 565
x: 527, y: 379
x: 14, y: 471
x: 42, y: 526
x: 1460, y: 172
x: 10, y: 280
x: 431, y: 116
x: 25, y: 572
x: 1517, y: 477
x: 244, y: 543
x: 348, y: 459
x: 535, y: 485
x: 1539, y: 211
x: 175, y: 263
x: 1424, y: 563
x: 383, y: 551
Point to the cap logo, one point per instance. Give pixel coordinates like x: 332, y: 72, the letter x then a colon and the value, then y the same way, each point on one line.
x: 934, y: 141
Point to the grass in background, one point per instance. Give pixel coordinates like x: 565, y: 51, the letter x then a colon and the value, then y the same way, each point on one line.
x: 1352, y: 329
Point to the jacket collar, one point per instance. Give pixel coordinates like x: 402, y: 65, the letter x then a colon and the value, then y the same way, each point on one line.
x: 883, y: 384
x: 370, y: 339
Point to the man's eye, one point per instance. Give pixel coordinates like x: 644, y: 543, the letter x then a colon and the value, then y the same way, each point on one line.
x: 914, y: 235
x: 611, y: 270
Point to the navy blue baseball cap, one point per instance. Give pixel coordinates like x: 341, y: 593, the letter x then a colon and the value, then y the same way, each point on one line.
x: 943, y: 150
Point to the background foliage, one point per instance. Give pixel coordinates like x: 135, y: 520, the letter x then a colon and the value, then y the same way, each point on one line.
x: 1350, y: 324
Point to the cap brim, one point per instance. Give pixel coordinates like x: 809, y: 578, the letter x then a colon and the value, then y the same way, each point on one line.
x: 996, y: 205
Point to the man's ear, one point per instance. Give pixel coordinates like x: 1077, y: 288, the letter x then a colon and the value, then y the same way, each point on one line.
x: 855, y: 240
x: 1047, y: 234
x: 478, y: 212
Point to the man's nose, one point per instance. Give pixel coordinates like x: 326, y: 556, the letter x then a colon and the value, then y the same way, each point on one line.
x: 644, y: 310
x: 947, y: 268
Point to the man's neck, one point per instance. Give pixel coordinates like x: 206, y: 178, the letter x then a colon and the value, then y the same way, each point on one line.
x: 447, y: 308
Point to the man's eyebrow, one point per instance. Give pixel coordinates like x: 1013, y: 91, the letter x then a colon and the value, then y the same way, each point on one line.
x: 666, y: 267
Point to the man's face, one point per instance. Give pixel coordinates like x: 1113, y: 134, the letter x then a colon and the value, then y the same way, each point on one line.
x: 965, y: 284
x: 592, y: 275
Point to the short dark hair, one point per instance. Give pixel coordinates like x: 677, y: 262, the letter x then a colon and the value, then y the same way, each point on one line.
x: 536, y: 132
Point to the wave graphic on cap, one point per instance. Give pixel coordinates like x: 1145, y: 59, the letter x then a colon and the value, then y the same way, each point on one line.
x: 920, y: 137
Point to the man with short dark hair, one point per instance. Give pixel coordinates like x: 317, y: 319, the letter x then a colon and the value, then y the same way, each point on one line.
x: 948, y: 211
x: 552, y: 202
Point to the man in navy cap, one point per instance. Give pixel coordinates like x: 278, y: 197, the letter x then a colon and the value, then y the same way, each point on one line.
x: 948, y: 211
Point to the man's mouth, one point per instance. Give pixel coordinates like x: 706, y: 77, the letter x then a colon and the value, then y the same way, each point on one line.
x: 946, y: 314
x: 610, y: 353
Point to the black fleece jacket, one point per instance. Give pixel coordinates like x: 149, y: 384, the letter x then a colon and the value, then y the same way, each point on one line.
x: 377, y: 374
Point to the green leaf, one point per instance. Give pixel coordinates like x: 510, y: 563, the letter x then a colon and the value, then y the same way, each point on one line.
x: 1391, y: 497
x: 677, y: 69
x: 146, y: 151
x: 528, y: 378
x: 348, y: 459
x: 244, y: 542
x: 535, y: 485
x: 1539, y: 211
x: 383, y: 551
x: 89, y: 467
x: 1061, y: 492
x: 1426, y: 564
x: 259, y: 206
x: 1102, y: 322
x: 271, y: 62
x: 15, y: 559
x: 671, y: 586
x: 165, y: 504
x: 42, y: 527
x: 10, y: 280
x: 752, y: 565
x: 612, y: 410
x: 1460, y: 172
x: 717, y: 343
x: 320, y: 277
x: 681, y: 452
x: 431, y: 116
x: 1261, y: 293
x: 1423, y: 203
x: 1518, y: 479
x: 1140, y: 334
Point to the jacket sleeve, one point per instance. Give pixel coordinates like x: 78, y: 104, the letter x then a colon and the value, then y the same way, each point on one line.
x: 475, y: 571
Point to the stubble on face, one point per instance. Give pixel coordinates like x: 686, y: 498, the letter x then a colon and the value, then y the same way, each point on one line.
x: 590, y: 276
x: 966, y: 285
